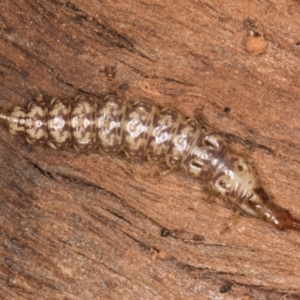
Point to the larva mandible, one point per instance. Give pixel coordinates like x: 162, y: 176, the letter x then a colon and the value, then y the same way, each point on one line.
x: 143, y: 130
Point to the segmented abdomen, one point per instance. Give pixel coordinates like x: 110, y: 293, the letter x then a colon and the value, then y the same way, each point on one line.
x: 114, y: 125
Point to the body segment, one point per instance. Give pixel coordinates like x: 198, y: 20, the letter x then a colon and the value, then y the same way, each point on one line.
x: 142, y: 129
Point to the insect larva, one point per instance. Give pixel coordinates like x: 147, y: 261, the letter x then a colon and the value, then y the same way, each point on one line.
x: 143, y: 130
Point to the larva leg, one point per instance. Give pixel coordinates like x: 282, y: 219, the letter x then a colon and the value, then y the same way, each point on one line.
x: 165, y: 172
x: 231, y: 221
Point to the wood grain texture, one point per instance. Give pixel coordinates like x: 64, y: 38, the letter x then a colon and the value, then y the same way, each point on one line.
x: 86, y: 226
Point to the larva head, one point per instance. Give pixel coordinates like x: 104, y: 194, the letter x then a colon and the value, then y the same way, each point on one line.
x: 281, y: 218
x: 257, y: 203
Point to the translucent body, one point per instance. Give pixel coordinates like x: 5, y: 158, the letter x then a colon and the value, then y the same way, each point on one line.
x: 143, y: 130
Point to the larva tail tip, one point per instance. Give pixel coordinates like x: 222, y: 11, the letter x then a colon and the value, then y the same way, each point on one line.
x: 4, y: 117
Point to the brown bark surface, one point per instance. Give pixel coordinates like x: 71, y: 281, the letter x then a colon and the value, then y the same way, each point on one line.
x: 87, y: 226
